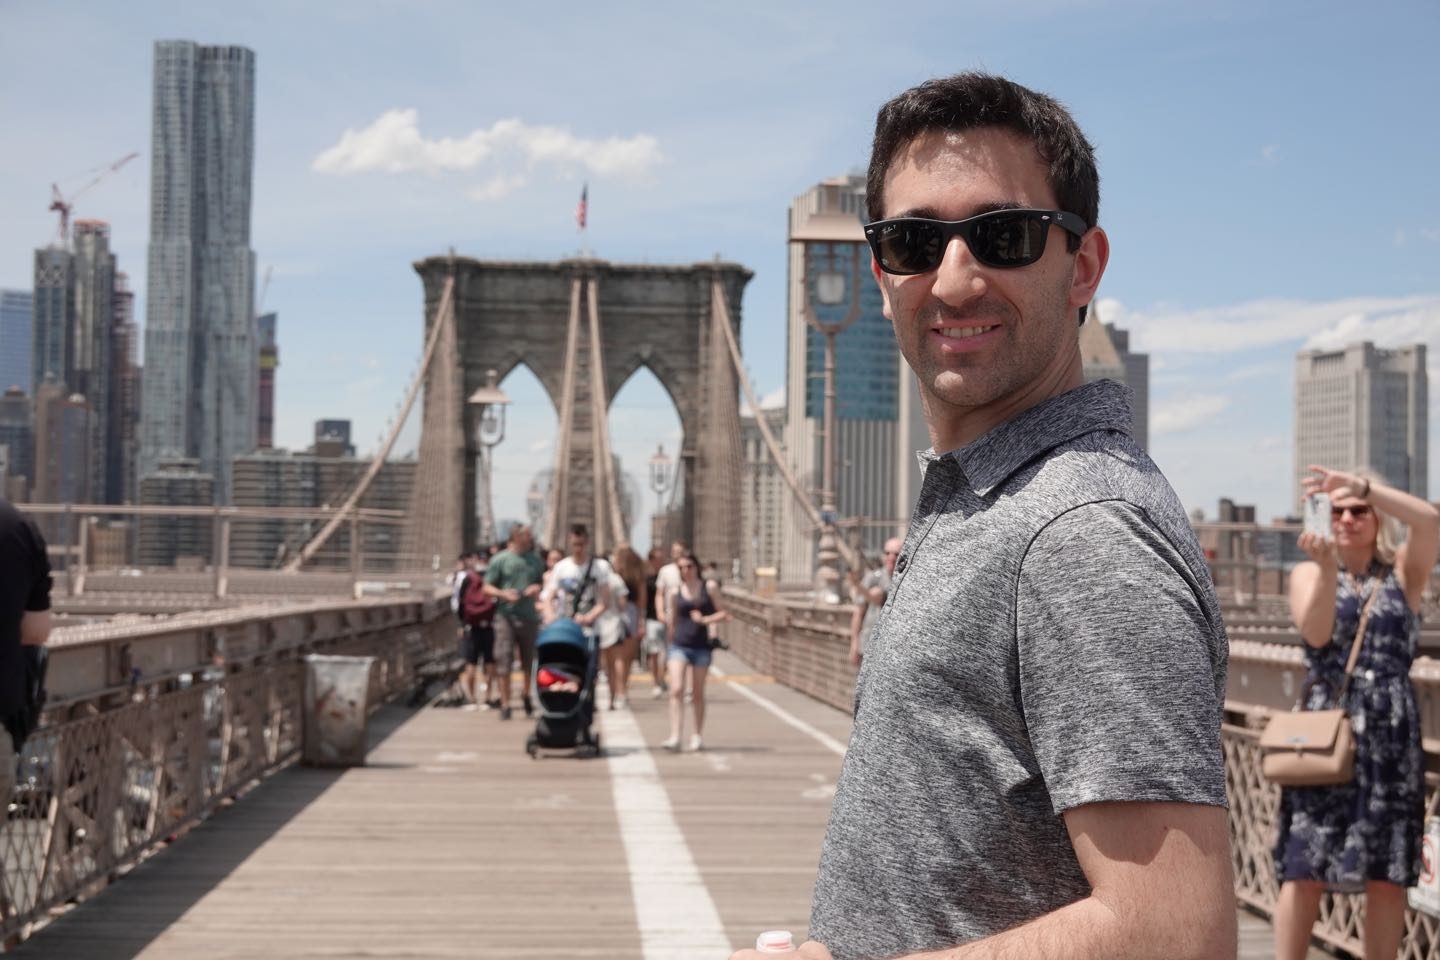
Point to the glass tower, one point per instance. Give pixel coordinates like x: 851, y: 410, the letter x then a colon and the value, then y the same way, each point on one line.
x: 16, y: 312
x: 201, y: 347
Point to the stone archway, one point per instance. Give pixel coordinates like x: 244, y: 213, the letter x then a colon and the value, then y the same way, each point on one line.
x: 661, y: 317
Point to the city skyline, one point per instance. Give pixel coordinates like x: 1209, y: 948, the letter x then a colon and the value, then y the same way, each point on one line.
x: 1276, y: 234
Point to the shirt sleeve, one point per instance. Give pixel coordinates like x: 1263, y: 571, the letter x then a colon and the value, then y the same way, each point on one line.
x: 1120, y: 668
x: 39, y: 596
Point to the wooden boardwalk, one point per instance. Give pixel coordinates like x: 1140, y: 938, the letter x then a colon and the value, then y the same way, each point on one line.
x: 453, y: 843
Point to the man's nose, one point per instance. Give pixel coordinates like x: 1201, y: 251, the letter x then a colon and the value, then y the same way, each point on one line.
x: 959, y: 276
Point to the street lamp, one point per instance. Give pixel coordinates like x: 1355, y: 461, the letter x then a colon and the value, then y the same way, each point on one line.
x: 490, y: 402
x: 661, y: 474
x: 831, y: 286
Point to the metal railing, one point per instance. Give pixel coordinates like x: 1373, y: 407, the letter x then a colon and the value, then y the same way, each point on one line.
x: 152, y: 725
x: 805, y: 646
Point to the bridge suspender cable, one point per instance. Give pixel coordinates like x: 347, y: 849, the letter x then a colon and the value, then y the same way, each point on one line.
x: 444, y: 316
x: 606, y: 482
x: 722, y: 316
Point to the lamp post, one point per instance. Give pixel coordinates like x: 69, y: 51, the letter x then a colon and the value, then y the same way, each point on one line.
x: 831, y: 286
x: 490, y: 402
x: 661, y: 475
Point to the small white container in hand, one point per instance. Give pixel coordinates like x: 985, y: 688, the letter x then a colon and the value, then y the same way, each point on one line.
x: 774, y: 941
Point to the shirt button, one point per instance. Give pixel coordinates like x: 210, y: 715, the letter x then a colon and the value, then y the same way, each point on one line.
x: 900, y: 563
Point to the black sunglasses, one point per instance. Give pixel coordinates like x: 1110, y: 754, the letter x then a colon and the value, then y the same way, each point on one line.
x: 1001, y: 238
x: 1358, y: 512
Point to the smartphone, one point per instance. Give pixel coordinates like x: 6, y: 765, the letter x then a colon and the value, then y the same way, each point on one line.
x: 1317, y: 514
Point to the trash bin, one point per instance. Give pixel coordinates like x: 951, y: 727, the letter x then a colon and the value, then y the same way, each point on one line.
x: 336, y: 703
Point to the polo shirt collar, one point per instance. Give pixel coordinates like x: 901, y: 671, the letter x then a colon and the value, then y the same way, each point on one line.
x: 989, y: 461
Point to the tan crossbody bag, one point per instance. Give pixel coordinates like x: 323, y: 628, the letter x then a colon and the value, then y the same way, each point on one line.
x: 1314, y: 748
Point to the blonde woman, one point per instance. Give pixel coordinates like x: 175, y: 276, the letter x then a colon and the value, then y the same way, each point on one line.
x: 1362, y: 836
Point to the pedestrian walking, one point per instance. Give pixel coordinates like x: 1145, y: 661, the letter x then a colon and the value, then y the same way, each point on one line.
x: 630, y: 572
x: 1363, y: 836
x: 1035, y: 767
x: 579, y: 585
x: 513, y: 580
x: 694, y: 606
x: 654, y: 642
x: 873, y: 589
x: 477, y: 637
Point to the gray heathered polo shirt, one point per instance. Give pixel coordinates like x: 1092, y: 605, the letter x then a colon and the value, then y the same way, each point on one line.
x: 1051, y: 640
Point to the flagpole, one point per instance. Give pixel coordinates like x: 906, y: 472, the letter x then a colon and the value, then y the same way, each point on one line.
x: 582, y: 220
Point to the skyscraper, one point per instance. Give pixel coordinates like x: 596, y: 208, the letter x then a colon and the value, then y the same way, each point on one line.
x: 123, y: 408
x: 89, y: 371
x: 269, y: 360
x: 53, y: 316
x: 1105, y: 355
x: 762, y: 493
x: 1363, y: 407
x: 201, y: 354
x: 17, y: 434
x: 16, y: 337
x: 825, y: 238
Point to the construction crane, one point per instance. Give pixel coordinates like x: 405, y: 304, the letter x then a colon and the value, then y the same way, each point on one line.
x: 64, y: 206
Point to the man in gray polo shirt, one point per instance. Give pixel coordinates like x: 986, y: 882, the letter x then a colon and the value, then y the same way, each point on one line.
x: 1035, y: 767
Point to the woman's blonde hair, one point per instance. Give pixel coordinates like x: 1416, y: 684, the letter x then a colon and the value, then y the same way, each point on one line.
x: 1388, y: 535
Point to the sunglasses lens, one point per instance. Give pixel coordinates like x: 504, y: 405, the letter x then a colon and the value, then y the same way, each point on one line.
x: 909, y: 246
x: 1004, y: 238
x: 1008, y: 239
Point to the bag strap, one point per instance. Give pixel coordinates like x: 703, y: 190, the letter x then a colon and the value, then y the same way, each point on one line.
x: 580, y: 590
x: 1375, y: 587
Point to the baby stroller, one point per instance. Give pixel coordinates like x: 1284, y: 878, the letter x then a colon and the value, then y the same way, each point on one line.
x: 562, y: 683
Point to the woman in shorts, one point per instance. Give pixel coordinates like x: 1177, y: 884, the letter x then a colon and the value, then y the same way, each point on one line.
x: 693, y: 607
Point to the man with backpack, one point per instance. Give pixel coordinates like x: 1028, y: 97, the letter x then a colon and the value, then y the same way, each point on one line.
x: 477, y: 638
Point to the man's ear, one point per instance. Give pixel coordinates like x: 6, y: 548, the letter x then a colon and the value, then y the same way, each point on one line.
x: 884, y: 288
x: 1090, y: 261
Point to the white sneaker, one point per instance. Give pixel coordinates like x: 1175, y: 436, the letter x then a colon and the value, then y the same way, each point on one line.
x: 657, y: 693
x: 696, y: 743
x: 671, y: 743
x: 621, y: 703
x: 470, y: 707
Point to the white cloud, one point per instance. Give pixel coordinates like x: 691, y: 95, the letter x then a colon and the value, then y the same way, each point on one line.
x: 773, y: 400
x: 1260, y: 323
x: 1186, y: 413
x: 1270, y: 153
x: 394, y: 144
x: 496, y: 188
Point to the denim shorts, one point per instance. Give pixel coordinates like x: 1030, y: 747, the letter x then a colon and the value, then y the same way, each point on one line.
x: 694, y: 656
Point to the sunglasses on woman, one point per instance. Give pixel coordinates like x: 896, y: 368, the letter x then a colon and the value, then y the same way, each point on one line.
x: 1359, y: 512
x: 1002, y: 238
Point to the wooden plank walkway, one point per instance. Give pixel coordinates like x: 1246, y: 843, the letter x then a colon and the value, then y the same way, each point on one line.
x: 453, y: 843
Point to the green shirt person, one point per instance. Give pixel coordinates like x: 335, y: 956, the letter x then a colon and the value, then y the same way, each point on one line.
x: 514, y: 575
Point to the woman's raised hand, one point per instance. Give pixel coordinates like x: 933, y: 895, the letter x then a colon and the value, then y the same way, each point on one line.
x: 1325, y: 480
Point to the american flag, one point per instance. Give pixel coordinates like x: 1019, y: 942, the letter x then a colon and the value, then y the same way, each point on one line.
x: 582, y: 207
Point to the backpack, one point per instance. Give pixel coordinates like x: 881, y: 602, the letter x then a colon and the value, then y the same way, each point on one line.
x: 477, y: 608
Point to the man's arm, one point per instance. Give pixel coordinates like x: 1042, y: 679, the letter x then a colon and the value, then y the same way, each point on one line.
x: 1160, y: 882
x: 35, y: 628
x: 1161, y: 887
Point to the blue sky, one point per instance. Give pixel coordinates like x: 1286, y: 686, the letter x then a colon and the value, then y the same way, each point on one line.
x: 1269, y: 175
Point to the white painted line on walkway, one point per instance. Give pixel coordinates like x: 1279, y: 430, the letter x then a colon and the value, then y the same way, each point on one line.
x: 824, y: 739
x: 676, y: 916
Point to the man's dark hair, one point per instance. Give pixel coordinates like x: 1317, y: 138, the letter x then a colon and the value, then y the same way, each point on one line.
x: 970, y: 100
x: 579, y: 530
